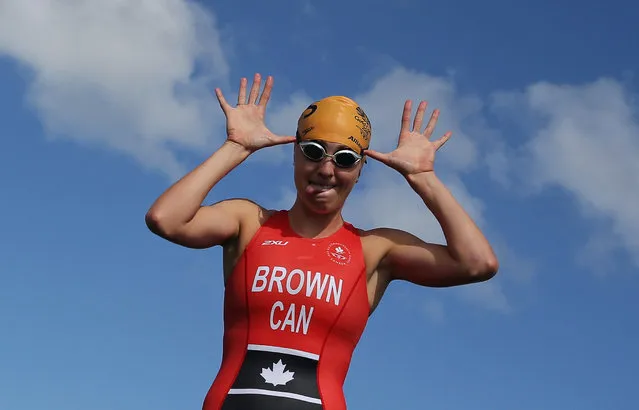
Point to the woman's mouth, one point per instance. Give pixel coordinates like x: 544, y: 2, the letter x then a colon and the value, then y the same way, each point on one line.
x: 319, y: 188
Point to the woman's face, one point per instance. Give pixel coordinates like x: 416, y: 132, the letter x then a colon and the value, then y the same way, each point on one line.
x: 323, y: 186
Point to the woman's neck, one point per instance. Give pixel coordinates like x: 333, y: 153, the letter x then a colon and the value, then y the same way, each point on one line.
x: 310, y: 224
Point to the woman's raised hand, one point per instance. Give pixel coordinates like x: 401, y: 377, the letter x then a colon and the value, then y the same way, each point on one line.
x: 245, y: 122
x: 415, y: 152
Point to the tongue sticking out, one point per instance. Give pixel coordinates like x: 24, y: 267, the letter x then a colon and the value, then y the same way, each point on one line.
x: 314, y: 188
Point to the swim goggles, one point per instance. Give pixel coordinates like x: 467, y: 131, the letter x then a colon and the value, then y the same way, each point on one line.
x: 344, y: 158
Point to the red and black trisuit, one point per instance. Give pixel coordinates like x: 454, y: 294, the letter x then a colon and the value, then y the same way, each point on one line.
x: 294, y: 310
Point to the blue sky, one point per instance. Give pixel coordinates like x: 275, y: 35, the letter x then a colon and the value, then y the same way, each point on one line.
x: 104, y: 105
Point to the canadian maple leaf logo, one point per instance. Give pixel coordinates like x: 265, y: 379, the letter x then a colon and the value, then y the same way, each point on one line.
x: 277, y: 375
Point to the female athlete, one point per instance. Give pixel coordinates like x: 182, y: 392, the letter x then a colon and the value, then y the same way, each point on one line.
x: 301, y: 283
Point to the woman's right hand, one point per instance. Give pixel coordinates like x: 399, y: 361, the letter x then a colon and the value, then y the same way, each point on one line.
x: 245, y: 122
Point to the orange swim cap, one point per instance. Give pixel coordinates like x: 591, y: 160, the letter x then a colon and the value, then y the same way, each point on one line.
x: 335, y: 119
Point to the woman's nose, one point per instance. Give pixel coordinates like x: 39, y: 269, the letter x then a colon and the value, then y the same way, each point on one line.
x: 327, y: 167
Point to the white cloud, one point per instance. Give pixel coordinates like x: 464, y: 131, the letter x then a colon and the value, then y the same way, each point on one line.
x: 489, y: 295
x: 387, y: 200
x: 119, y: 73
x: 585, y: 139
x: 384, y: 103
x: 383, y: 197
x: 281, y: 119
x: 137, y: 77
x: 598, y: 254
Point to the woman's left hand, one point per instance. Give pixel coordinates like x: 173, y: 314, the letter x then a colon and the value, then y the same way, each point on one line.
x: 415, y: 152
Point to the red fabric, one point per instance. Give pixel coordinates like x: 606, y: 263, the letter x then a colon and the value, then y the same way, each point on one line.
x: 251, y: 309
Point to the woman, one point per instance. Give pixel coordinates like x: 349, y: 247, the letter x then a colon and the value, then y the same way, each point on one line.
x: 301, y: 283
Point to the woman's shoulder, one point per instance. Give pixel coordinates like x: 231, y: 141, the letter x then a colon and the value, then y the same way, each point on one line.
x: 379, y: 240
x: 247, y: 207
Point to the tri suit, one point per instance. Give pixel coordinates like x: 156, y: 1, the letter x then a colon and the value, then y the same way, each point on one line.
x: 294, y: 310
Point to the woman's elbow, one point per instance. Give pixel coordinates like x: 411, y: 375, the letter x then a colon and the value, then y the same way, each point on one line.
x: 156, y: 223
x: 484, y: 269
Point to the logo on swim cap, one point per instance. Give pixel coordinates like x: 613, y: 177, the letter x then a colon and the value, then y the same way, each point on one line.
x: 336, y: 119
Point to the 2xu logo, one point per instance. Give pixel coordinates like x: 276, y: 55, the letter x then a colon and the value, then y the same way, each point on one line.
x: 274, y: 242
